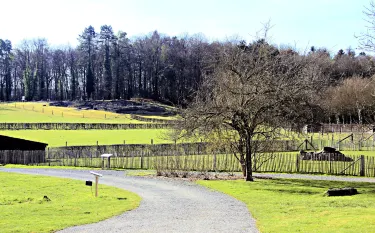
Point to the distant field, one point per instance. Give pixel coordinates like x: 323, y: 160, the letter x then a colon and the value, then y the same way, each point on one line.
x: 56, y: 138
x: 34, y: 112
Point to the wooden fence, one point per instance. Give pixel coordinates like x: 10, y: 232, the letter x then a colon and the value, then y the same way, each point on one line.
x: 339, y: 128
x: 78, y: 126
x: 22, y: 157
x: 267, y: 162
x: 189, y: 157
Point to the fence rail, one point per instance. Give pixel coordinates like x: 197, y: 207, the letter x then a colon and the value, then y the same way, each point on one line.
x: 78, y: 126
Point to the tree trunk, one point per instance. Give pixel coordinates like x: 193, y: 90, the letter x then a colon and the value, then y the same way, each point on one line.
x: 359, y: 115
x: 249, y: 169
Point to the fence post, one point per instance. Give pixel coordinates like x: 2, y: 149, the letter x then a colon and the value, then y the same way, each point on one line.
x: 49, y: 162
x: 142, y: 159
x: 330, y: 163
x: 297, y: 162
x: 214, y: 161
x: 362, y: 166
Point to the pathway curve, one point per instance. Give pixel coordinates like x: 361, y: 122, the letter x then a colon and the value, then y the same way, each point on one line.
x: 167, y: 205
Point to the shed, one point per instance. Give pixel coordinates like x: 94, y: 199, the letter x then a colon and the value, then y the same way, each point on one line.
x: 21, y: 151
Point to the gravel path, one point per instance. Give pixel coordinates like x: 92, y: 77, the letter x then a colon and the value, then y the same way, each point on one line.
x: 167, y: 205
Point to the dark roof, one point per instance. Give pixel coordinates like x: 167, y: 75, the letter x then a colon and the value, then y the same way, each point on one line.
x: 10, y: 143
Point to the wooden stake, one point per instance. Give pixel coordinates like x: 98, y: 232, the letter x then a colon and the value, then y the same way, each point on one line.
x: 96, y: 185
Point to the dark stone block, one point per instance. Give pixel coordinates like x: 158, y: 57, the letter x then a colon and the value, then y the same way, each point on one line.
x: 342, y: 192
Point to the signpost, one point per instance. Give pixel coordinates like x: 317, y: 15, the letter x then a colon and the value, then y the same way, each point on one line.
x: 108, y: 156
x: 97, y: 175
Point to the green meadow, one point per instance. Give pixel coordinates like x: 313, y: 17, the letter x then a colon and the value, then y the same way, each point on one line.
x: 290, y: 205
x: 56, y: 138
x: 23, y: 207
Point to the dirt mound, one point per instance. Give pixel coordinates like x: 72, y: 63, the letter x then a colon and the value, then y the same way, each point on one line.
x: 61, y: 104
x: 120, y: 106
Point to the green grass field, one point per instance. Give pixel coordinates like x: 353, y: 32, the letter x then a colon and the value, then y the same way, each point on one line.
x: 43, y: 167
x: 35, y: 112
x: 281, y: 205
x: 23, y: 208
x: 55, y: 138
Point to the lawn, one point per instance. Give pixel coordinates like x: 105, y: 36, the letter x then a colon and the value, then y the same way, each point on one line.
x: 43, y: 167
x: 24, y: 209
x: 35, y: 112
x: 55, y: 138
x: 289, y: 205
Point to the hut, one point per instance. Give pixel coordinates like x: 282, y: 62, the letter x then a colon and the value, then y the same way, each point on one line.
x: 21, y: 151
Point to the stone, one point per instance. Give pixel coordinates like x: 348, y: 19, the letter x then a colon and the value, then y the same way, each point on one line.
x: 341, y: 192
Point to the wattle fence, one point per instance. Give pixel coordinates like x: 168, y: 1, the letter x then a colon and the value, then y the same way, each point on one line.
x: 22, y: 157
x: 200, y: 157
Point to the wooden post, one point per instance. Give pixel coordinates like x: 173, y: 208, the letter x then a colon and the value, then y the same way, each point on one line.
x: 152, y: 141
x: 66, y: 143
x: 362, y: 166
x: 96, y: 185
x: 297, y: 162
x: 330, y: 163
x: 214, y: 163
x: 142, y: 160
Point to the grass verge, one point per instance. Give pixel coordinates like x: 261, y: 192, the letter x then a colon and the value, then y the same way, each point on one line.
x: 286, y: 205
x: 24, y: 209
x: 49, y: 167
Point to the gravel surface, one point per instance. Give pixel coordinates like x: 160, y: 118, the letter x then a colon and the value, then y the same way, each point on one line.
x: 167, y: 205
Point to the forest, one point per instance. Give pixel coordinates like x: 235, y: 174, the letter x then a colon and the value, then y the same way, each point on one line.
x: 106, y: 65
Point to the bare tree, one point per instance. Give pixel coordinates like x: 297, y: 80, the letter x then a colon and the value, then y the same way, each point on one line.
x: 351, y: 97
x: 253, y: 92
x: 367, y: 38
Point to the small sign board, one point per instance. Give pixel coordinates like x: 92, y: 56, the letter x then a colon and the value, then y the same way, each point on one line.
x: 106, y: 155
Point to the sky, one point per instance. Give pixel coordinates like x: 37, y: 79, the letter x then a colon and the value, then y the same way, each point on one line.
x: 300, y: 24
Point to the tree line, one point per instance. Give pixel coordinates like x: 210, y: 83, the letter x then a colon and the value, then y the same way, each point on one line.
x: 107, y: 65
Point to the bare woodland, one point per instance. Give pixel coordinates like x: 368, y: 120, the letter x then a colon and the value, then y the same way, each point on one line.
x: 235, y: 94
